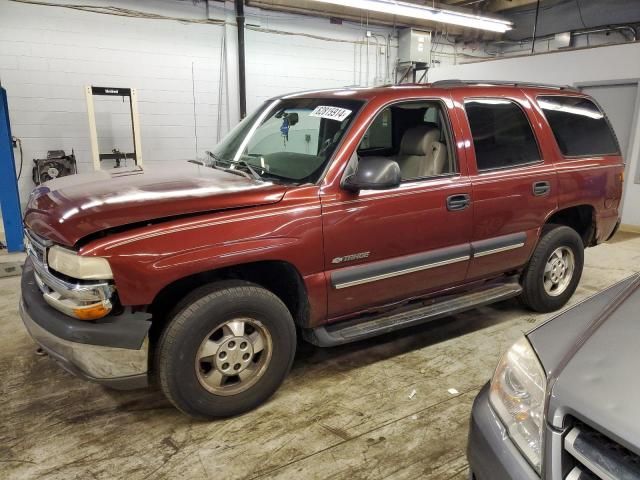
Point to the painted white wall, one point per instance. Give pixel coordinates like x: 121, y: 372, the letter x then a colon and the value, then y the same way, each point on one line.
x: 278, y: 63
x: 609, y: 63
x: 48, y: 54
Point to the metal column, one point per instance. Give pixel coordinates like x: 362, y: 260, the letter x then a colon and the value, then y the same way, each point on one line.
x: 9, y: 196
x: 242, y: 77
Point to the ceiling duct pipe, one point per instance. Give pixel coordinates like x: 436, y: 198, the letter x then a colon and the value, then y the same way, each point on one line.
x: 622, y: 28
x: 242, y: 78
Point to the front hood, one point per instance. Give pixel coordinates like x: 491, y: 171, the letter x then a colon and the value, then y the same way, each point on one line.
x: 591, y: 355
x: 69, y: 208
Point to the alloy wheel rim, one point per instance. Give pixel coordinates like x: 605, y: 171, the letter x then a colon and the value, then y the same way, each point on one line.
x: 234, y: 356
x: 558, y: 271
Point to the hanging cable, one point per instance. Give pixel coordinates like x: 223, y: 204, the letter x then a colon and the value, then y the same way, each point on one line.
x: 535, y: 27
x: 580, y: 13
x: 18, y: 142
x: 125, y: 12
x: 195, y: 115
x: 120, y: 12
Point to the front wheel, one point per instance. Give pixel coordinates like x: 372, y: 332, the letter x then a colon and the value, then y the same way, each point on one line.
x: 226, y: 351
x: 555, y: 268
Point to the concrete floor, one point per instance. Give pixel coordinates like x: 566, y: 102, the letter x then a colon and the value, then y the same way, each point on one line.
x: 343, y: 413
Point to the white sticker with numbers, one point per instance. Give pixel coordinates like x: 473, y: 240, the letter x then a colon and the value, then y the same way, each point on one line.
x: 331, y: 113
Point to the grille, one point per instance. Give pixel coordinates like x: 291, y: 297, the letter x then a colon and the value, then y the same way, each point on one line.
x: 596, y: 456
x: 36, y: 247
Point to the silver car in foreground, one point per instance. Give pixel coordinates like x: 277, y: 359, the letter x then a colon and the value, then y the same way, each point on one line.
x: 564, y: 401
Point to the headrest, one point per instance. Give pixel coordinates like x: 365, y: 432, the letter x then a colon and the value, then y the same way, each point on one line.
x: 418, y: 140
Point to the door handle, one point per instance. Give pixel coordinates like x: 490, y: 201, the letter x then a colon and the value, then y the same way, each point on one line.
x: 541, y: 188
x: 458, y: 202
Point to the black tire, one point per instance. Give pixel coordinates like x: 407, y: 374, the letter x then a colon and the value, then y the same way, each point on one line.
x: 200, y: 313
x: 534, y: 295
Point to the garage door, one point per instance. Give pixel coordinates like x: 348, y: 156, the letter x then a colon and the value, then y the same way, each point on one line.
x: 619, y: 103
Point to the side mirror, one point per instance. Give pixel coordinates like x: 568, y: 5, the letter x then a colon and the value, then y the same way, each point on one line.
x: 374, y: 173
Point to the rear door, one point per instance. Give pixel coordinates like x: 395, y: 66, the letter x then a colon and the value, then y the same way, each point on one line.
x: 589, y: 164
x: 513, y: 182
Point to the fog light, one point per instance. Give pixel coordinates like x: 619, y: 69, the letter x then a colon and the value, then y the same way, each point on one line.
x: 91, y: 312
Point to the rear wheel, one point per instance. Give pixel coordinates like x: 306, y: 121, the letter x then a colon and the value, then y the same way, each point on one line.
x: 555, y: 268
x: 227, y: 350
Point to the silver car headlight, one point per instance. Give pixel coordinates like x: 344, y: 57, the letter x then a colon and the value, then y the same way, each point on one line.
x: 70, y: 263
x: 518, y: 395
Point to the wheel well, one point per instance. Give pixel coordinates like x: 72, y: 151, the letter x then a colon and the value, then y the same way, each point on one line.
x: 279, y: 277
x: 581, y: 218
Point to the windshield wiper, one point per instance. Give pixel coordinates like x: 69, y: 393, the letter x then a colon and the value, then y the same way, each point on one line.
x: 222, y: 169
x: 243, y: 163
x: 251, y: 172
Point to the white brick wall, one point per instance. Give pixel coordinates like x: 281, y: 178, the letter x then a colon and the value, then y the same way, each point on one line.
x: 48, y: 54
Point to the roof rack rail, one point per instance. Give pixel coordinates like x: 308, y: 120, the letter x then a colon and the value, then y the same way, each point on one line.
x: 456, y: 82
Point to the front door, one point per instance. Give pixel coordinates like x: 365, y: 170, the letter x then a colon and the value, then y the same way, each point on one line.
x: 383, y: 247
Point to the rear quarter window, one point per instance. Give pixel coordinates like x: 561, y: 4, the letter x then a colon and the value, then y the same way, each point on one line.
x: 580, y: 128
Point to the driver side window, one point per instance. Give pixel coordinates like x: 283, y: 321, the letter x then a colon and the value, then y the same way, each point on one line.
x: 416, y: 135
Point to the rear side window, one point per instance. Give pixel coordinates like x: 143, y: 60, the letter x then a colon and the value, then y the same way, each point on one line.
x: 502, y: 135
x: 579, y: 126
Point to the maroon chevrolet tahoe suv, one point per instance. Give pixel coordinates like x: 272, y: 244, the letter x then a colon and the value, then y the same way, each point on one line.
x: 330, y: 216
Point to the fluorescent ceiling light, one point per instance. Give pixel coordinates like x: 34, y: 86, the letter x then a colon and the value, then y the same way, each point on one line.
x: 404, y: 9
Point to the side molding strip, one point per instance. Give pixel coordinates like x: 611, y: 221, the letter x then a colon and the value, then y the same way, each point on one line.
x: 372, y: 272
x: 401, y: 272
x: 380, y: 270
x: 500, y: 244
x: 498, y: 250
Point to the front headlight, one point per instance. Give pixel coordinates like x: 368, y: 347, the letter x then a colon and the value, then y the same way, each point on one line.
x: 70, y: 263
x: 517, y: 395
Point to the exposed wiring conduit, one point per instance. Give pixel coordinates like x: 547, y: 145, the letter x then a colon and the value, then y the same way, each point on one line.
x: 125, y: 12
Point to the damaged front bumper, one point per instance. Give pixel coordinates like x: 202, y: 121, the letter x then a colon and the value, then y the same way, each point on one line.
x: 112, y: 351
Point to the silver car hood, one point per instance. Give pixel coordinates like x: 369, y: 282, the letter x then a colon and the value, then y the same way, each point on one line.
x: 591, y: 354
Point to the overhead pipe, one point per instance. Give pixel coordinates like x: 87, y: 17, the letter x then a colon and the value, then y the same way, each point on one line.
x: 574, y: 33
x: 377, y: 55
x: 360, y: 65
x: 366, y: 80
x: 242, y: 78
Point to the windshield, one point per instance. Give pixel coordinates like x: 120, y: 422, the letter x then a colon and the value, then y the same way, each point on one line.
x: 291, y: 139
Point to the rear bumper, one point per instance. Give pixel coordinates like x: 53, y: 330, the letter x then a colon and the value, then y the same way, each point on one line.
x: 490, y: 452
x: 112, y: 351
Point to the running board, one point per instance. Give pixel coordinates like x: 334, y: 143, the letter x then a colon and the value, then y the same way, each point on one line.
x: 360, y: 329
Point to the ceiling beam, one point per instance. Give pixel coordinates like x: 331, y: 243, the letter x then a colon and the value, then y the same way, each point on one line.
x: 502, y: 5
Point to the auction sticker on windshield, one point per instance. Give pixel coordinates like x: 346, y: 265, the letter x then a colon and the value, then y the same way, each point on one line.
x: 331, y: 113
